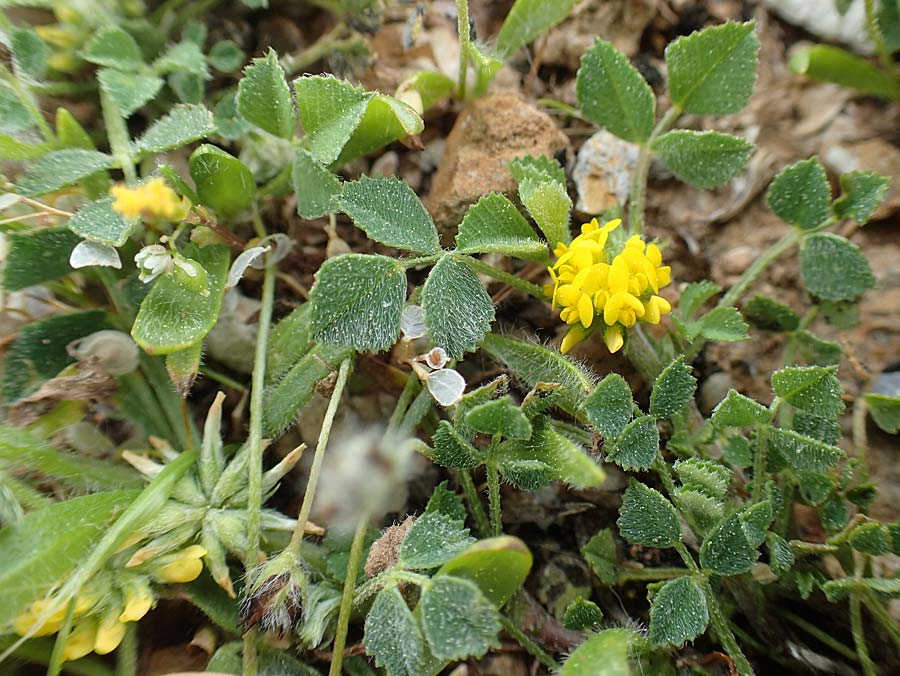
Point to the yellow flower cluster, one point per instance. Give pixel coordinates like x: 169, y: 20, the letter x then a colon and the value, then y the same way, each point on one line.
x: 100, y: 624
x: 594, y: 292
x: 151, y: 199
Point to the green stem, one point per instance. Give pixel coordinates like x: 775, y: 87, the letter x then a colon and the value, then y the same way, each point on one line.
x: 723, y: 630
x: 759, y: 462
x: 319, y: 456
x: 62, y: 637
x: 462, y: 24
x: 531, y: 646
x: 861, y: 436
x: 417, y: 261
x: 686, y: 557
x: 334, y: 41
x: 880, y: 613
x: 530, y: 288
x: 222, y: 379
x: 642, y: 354
x: 856, y: 621
x: 642, y: 169
x: 343, y: 623
x: 117, y: 134
x: 877, y: 36
x: 414, y: 414
x: 493, y: 481
x: 30, y: 102
x: 409, y: 390
x: 650, y: 574
x: 759, y: 265
x: 127, y: 652
x: 476, y: 509
x: 822, y: 636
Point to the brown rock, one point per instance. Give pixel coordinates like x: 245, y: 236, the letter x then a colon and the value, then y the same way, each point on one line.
x: 488, y: 134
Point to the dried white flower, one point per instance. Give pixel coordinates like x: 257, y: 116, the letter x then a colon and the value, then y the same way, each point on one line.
x: 446, y: 386
x: 87, y: 253
x: 117, y: 352
x: 152, y: 261
x: 412, y: 322
x: 436, y: 358
x: 242, y: 262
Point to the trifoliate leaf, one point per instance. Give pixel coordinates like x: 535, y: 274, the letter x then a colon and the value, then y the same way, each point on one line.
x: 61, y: 168
x: 393, y: 636
x: 494, y: 225
x: 800, y: 194
x: 330, y: 111
x: 647, y: 518
x: 457, y: 619
x: 638, y: 446
x: 726, y: 550
x: 704, y: 159
x: 815, y: 389
x: 705, y: 475
x: 458, y: 310
x: 129, y: 91
x: 673, y: 389
x: 609, y: 407
x: 114, y: 48
x: 885, y: 411
x: 612, y: 93
x: 432, y: 540
x: 528, y: 20
x: 770, y: 315
x: 314, y: 185
x: 357, y: 301
x: 678, y: 613
x: 694, y: 296
x: 862, y: 192
x: 802, y: 452
x: 183, y: 124
x: 833, y: 268
x: 99, y: 222
x: 264, y: 99
x: 388, y: 211
x: 453, y: 450
x: 500, y: 416
x: 737, y: 410
x: 712, y: 71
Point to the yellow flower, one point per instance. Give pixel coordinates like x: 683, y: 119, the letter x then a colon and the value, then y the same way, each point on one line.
x: 138, y: 601
x: 81, y: 640
x: 151, y: 199
x: 589, y: 285
x: 183, y: 566
x: 32, y: 621
x: 110, y: 633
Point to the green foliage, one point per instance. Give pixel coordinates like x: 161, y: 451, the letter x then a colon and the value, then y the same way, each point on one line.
x: 678, y: 612
x: 60, y: 169
x: 828, y: 63
x: 99, y: 222
x: 606, y: 653
x: 613, y: 95
x: 722, y: 323
x: 815, y: 389
x: 770, y: 315
x: 457, y: 619
x: 610, y: 406
x: 800, y: 194
x: 528, y: 20
x: 129, y: 91
x: 36, y: 257
x: 183, y: 124
x: 832, y: 268
x: 885, y: 411
x: 802, y: 452
x: 638, y: 446
x: 712, y: 71
x: 647, y: 518
x: 561, y: 458
x: 704, y: 159
x: 862, y: 192
x: 393, y: 636
x: 433, y: 540
x: 582, y: 614
x: 316, y: 188
x: 115, y: 48
x: 501, y: 417
x: 452, y: 450
x: 497, y: 565
x: 494, y: 225
x: 673, y: 389
x: 736, y: 410
x: 224, y: 183
x: 264, y: 99
x: 731, y: 547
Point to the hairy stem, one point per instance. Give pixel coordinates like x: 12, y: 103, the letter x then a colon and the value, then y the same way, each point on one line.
x: 483, y: 268
x: 877, y: 36
x: 641, y: 171
x: 476, y: 509
x: 880, y: 613
x: 493, y: 481
x: 723, y: 630
x: 531, y: 646
x: 856, y: 621
x: 62, y: 636
x: 733, y: 295
x: 649, y: 574
x: 127, y: 652
x: 759, y: 462
x: 343, y: 623
x: 117, y: 134
x: 462, y: 25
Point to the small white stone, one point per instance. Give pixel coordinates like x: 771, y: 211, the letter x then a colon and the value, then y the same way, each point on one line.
x: 87, y: 253
x: 437, y: 358
x: 241, y: 263
x: 446, y: 386
x: 117, y: 352
x: 412, y: 322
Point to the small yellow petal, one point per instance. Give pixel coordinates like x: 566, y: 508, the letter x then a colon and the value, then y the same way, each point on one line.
x: 109, y: 635
x: 138, y: 601
x: 184, y: 567
x: 574, y: 336
x: 585, y: 311
x: 81, y: 640
x: 612, y: 336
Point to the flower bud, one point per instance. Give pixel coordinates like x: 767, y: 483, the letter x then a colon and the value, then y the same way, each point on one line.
x: 81, y: 640
x: 183, y: 566
x: 138, y: 601
x: 110, y: 632
x: 152, y: 261
x: 273, y: 597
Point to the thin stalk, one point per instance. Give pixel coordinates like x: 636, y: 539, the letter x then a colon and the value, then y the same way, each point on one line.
x: 650, y: 574
x: 126, y: 653
x: 509, y: 279
x: 856, y: 621
x: 531, y: 646
x: 880, y: 613
x: 117, y: 134
x: 62, y: 637
x: 860, y: 435
x: 734, y: 294
x: 759, y: 462
x: 462, y: 25
x: 822, y: 636
x: 420, y: 260
x: 493, y: 481
x: 409, y: 390
x: 414, y: 414
x: 476, y: 509
x: 723, y: 630
x: 222, y: 379
x: 340, y: 636
x: 30, y: 102
x: 642, y: 354
x: 877, y: 36
x: 686, y: 557
x: 319, y: 456
x: 642, y: 169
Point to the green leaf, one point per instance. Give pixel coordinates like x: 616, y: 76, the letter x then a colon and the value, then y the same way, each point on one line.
x: 609, y: 407
x: 357, y: 301
x: 13, y: 149
x: 678, y: 613
x: 698, y: 507
x: 224, y: 183
x: 446, y: 502
x: 393, y: 636
x: 330, y: 111
x: 770, y: 315
x: 538, y: 169
x: 885, y: 411
x: 726, y: 550
x: 271, y: 662
x: 647, y: 518
x: 452, y: 450
x: 549, y: 205
x: 386, y: 120
x: 288, y: 342
x: 72, y: 135
x: 781, y: 557
x: 705, y: 159
x: 837, y: 590
x: 534, y: 363
x: 810, y: 388
x: 494, y: 225
x: 582, y: 615
x: 528, y: 20
x: 115, y: 48
x: 432, y: 540
x: 316, y: 188
x: 184, y: 57
x: 889, y: 23
x: 601, y: 555
x: 30, y: 53
x: 183, y: 367
x: 183, y: 124
x: 802, y: 452
x: 823, y: 429
x: 36, y: 257
x: 800, y: 194
x: 188, y: 87
x: 457, y: 619
x: 62, y: 168
x: 264, y: 98
x: 638, y: 446
x: 722, y: 323
x: 500, y: 416
x: 736, y: 410
x: 173, y: 317
x: 833, y: 268
x: 226, y: 56
x: 862, y: 192
x: 129, y: 91
x: 815, y: 351
x: 707, y: 476
x: 606, y: 653
x: 39, y: 353
x: 497, y: 565
x: 712, y: 71
x: 612, y: 93
x: 43, y: 549
x: 566, y: 461
x: 828, y: 63
x: 694, y: 296
x: 870, y: 538
x: 458, y: 310
x: 99, y: 222
x: 14, y: 116
x: 388, y: 211
x: 673, y: 390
